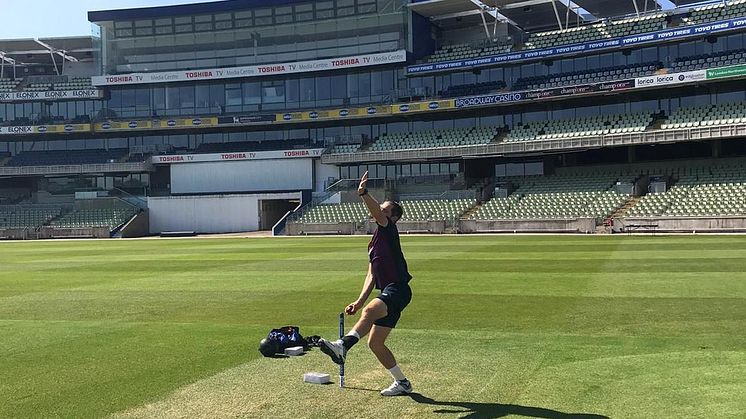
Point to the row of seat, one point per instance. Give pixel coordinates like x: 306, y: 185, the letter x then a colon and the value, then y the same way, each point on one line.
x: 472, y: 89
x: 622, y: 72
x: 27, y: 217
x: 597, y: 31
x: 75, y: 83
x: 414, y: 210
x: 435, y: 138
x: 110, y: 218
x: 580, y: 127
x: 723, y: 113
x: 688, y: 117
x: 67, y: 157
x: 714, y: 195
x: 466, y: 50
x: 715, y: 59
x: 716, y: 12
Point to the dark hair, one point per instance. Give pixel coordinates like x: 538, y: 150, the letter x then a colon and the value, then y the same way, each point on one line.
x: 396, y: 210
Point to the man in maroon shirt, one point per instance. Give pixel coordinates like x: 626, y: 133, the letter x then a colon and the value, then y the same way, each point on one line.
x: 387, y: 271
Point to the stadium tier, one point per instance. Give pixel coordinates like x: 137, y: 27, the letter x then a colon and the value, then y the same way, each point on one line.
x: 716, y: 59
x: 698, y: 192
x: 464, y: 51
x: 8, y: 85
x: 724, y: 113
x: 110, y: 218
x: 51, y: 158
x: 414, y: 210
x: 336, y: 213
x: 435, y: 138
x: 622, y: 72
x: 27, y: 216
x: 435, y: 209
x: 717, y: 11
x: 597, y: 31
x: 472, y: 89
x: 580, y: 127
x: 344, y: 148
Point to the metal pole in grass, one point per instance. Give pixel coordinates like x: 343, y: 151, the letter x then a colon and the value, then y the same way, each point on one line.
x: 342, y: 365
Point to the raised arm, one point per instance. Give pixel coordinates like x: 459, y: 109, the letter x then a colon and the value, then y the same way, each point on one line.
x: 374, y: 208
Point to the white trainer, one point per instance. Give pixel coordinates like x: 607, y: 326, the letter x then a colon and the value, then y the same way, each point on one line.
x: 335, y: 350
x: 398, y: 388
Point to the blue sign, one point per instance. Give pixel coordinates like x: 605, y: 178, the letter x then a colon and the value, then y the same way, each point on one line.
x: 433, y: 105
x: 196, y: 121
x: 171, y: 123
x: 640, y: 39
x: 133, y: 124
x: 287, y: 116
x: 106, y: 125
x: 42, y: 129
x: 372, y: 110
x: 403, y: 108
x: 344, y: 112
x: 69, y: 127
x: 313, y: 114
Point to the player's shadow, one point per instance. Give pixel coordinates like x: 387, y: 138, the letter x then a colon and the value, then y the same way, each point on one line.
x: 474, y: 410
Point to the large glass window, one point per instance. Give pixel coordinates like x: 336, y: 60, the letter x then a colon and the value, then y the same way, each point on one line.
x: 307, y: 89
x: 273, y: 92
x: 202, y: 98
x: 323, y: 88
x: 252, y: 93
x: 233, y: 94
x: 292, y: 90
x: 338, y: 87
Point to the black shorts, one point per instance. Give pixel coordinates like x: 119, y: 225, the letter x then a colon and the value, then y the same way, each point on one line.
x: 396, y: 296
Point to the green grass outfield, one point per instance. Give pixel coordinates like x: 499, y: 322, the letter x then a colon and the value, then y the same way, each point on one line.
x: 536, y: 326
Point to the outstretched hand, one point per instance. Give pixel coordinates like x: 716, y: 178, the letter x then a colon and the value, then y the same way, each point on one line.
x: 363, y: 183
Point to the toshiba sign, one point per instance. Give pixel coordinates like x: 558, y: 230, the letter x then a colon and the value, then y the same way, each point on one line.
x: 253, y: 71
x: 242, y: 155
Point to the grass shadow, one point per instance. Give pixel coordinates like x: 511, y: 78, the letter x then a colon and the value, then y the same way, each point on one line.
x: 474, y: 410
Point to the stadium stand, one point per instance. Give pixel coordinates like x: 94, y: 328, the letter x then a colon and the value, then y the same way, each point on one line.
x: 724, y: 113
x: 27, y: 216
x: 435, y: 138
x: 100, y: 217
x: 38, y: 87
x: 51, y: 158
x: 75, y: 83
x: 716, y: 59
x: 715, y: 12
x: 344, y: 148
x: 336, y: 213
x: 570, y: 195
x: 463, y: 51
x: 8, y: 85
x: 699, y: 191
x: 414, y: 210
x: 580, y: 127
x: 472, y: 89
x: 435, y: 209
x: 636, y: 25
x: 596, y: 31
x: 583, y: 77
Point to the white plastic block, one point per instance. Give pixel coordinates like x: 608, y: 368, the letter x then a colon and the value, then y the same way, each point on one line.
x: 294, y: 351
x: 316, y: 378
